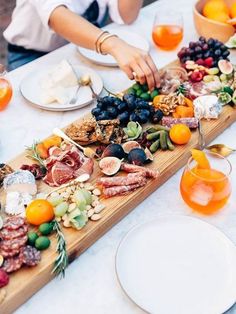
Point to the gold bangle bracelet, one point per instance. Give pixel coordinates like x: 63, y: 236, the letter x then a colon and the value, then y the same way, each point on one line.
x: 97, y: 40
x: 102, y: 41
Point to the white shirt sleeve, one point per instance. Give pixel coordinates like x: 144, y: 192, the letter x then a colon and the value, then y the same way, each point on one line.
x: 114, y: 11
x: 46, y: 7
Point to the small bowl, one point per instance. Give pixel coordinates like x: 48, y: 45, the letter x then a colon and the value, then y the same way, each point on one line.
x: 210, y: 28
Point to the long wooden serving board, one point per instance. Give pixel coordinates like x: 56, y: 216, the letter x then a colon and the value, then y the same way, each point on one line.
x: 24, y: 283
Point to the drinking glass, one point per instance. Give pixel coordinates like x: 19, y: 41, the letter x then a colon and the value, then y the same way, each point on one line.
x: 206, y: 190
x: 167, y: 30
x: 5, y: 89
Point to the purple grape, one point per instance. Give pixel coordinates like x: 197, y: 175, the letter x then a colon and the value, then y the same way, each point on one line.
x: 226, y: 53
x: 218, y: 53
x: 198, y: 49
x: 192, y: 45
x: 202, y: 39
x: 199, y: 56
x: 205, y: 47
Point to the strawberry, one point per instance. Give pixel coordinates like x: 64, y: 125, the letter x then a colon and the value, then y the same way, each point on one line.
x: 208, y: 62
x: 196, y: 76
x: 200, y: 62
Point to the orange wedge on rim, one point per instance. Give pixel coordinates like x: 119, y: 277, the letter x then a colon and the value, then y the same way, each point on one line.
x: 200, y: 158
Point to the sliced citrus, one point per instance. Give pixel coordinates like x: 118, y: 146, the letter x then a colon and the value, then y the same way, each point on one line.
x: 201, y: 159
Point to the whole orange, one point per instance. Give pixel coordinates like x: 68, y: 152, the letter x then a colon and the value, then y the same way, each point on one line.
x: 180, y: 134
x: 233, y: 10
x: 39, y: 211
x: 212, y: 7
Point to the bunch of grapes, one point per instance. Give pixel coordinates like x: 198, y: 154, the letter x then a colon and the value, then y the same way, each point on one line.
x: 204, y: 52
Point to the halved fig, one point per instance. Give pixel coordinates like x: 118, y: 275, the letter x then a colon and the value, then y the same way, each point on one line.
x: 114, y: 150
x: 110, y: 165
x: 128, y: 146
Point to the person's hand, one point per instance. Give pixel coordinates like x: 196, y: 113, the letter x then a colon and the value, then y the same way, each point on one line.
x: 136, y: 63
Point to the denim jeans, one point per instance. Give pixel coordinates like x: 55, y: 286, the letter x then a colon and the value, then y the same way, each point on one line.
x: 17, y: 59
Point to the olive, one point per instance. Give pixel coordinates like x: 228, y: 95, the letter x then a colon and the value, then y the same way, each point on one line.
x: 145, y: 87
x: 122, y: 106
x: 145, y: 96
x: 131, y: 90
x: 96, y: 112
x: 139, y: 92
x: 103, y: 116
x: 123, y: 117
x: 154, y: 93
x: 136, y: 86
x: 112, y: 111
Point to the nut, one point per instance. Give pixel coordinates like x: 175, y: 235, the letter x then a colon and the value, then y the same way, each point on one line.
x: 68, y: 190
x: 190, y: 62
x: 66, y: 223
x: 94, y: 197
x: 88, y: 207
x: 81, y: 185
x: 99, y: 208
x: 96, y: 217
x: 58, y: 219
x: 54, y: 194
x: 65, y: 194
x: 95, y: 203
x: 89, y: 187
x: 90, y: 213
x: 65, y: 217
x: 96, y: 192
x: 72, y: 206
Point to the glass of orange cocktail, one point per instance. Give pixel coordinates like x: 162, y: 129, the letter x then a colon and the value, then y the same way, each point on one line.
x: 5, y: 89
x: 167, y: 30
x: 206, y: 188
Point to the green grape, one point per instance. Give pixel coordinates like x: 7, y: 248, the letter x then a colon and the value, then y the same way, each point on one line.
x: 87, y: 195
x: 61, y: 209
x: 213, y: 71
x: 55, y: 200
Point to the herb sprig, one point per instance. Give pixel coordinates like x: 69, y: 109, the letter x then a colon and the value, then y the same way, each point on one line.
x: 32, y: 153
x: 61, y: 261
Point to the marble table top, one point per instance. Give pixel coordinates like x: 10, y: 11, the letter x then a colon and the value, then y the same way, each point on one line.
x: 90, y: 285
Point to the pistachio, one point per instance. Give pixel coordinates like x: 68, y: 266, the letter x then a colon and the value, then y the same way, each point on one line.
x: 96, y: 217
x: 95, y: 203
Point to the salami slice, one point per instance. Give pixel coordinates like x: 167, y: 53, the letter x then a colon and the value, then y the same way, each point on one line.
x: 122, y: 189
x: 14, y: 223
x: 192, y: 123
x: 13, y: 244
x: 6, y: 234
x: 12, y: 264
x: 149, y: 173
x: 9, y: 253
x: 30, y: 256
x: 131, y: 178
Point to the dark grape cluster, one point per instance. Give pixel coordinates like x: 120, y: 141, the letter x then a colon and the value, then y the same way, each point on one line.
x: 211, y: 49
x: 130, y: 108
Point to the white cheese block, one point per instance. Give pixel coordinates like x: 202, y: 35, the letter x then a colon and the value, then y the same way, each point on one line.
x: 21, y: 181
x: 16, y: 202
x: 207, y: 107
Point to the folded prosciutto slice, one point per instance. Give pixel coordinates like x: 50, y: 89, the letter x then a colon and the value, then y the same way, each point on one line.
x: 66, y: 163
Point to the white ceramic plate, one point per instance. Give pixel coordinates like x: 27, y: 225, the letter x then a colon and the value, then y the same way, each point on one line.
x: 31, y: 89
x: 107, y: 60
x: 178, y: 265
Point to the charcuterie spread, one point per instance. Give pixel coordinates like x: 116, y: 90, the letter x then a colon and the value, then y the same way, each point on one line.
x: 56, y: 187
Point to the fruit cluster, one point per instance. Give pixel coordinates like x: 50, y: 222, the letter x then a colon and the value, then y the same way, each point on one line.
x: 204, y: 52
x: 142, y: 91
x: 130, y: 108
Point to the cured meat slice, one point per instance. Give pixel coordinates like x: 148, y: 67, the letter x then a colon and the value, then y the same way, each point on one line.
x: 14, y: 244
x: 131, y: 178
x: 6, y: 234
x: 86, y: 168
x: 12, y: 264
x: 122, y: 189
x: 14, y: 223
x: 59, y: 174
x: 192, y: 123
x: 30, y: 256
x: 149, y: 173
x: 9, y: 253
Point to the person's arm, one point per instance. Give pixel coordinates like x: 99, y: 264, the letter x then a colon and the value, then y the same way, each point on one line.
x: 129, y: 10
x: 76, y: 29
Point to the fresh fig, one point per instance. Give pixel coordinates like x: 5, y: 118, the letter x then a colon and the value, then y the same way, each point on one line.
x: 114, y: 150
x: 128, y: 146
x: 137, y: 156
x: 149, y: 155
x: 110, y: 165
x: 225, y: 67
